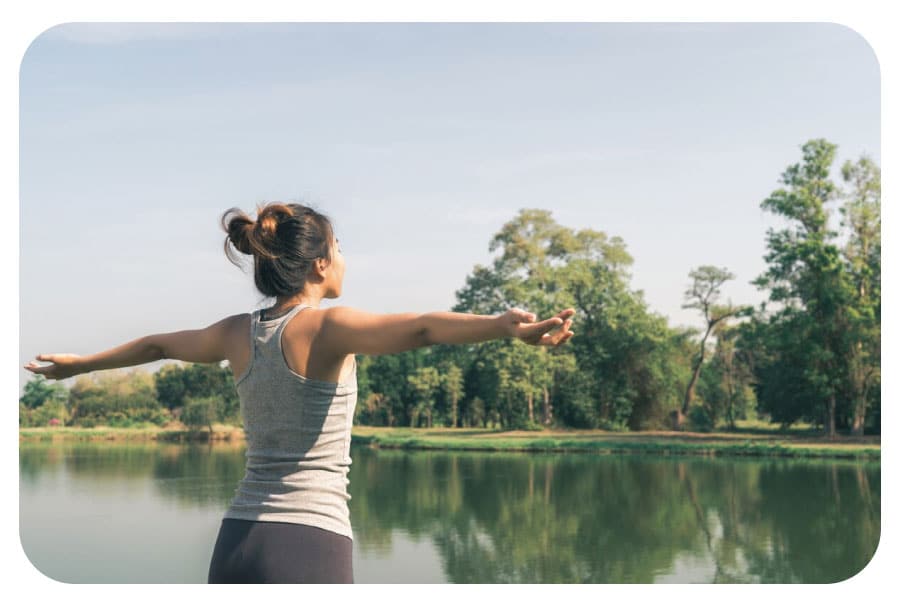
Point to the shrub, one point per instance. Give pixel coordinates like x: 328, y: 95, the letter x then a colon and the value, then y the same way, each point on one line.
x: 39, y: 390
x: 116, y: 400
x: 532, y: 426
x: 700, y: 419
x: 43, y: 414
x: 202, y: 412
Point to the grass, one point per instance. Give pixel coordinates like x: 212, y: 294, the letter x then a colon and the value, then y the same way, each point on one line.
x: 174, y: 433
x: 753, y: 439
x: 805, y: 444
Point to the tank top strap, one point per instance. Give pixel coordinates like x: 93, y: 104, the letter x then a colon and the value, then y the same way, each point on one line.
x: 284, y: 319
x: 279, y: 320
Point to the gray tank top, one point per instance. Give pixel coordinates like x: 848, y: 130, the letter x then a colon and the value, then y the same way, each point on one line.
x: 298, y: 438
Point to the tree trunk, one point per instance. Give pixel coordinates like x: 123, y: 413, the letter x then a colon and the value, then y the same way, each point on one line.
x: 455, y: 409
x: 829, y: 427
x: 858, y: 379
x: 859, y: 419
x: 530, y: 397
x: 689, y: 393
x: 548, y: 408
x: 677, y: 419
x: 731, y: 412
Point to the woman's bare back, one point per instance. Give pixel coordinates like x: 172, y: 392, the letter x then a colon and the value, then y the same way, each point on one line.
x: 299, y: 345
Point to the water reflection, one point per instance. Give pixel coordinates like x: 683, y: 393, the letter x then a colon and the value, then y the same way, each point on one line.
x: 525, y: 518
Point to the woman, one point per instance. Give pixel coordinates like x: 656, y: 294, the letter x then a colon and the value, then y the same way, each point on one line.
x: 295, y: 372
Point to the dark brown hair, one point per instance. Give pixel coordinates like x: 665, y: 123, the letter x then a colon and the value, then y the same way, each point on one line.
x: 285, y: 240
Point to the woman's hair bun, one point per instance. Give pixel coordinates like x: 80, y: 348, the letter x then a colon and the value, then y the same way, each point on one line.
x: 284, y: 240
x: 257, y: 238
x: 267, y: 220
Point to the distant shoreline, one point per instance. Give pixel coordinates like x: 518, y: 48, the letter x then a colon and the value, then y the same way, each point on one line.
x: 591, y: 441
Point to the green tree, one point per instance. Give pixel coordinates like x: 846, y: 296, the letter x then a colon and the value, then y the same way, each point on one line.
x: 730, y: 393
x: 115, y: 397
x: 542, y: 266
x: 862, y: 217
x: 781, y: 366
x: 40, y: 416
x: 805, y: 270
x: 174, y: 383
x: 703, y: 295
x: 425, y: 383
x: 38, y: 390
x: 202, y: 412
x: 388, y: 375
x: 451, y: 381
x: 170, y: 385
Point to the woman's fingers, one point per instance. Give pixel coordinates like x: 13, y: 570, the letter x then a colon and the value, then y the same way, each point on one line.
x: 48, y: 371
x: 539, y: 329
x: 558, y: 338
x: 538, y: 333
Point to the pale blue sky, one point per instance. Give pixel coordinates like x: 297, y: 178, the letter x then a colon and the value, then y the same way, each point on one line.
x: 419, y: 140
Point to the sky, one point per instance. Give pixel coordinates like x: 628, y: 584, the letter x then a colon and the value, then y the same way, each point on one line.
x: 418, y: 140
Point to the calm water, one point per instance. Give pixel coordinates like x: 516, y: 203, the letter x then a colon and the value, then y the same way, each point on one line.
x: 150, y: 513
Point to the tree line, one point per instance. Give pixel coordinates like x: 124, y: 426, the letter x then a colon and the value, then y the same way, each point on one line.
x: 196, y: 394
x: 810, y: 353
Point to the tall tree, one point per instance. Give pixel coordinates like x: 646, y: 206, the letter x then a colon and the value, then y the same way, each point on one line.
x: 452, y: 384
x: 425, y: 383
x: 542, y: 266
x: 862, y: 217
x: 805, y: 267
x: 526, y: 274
x: 703, y: 294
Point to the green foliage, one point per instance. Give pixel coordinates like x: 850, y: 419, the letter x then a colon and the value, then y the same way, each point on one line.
x: 452, y: 388
x: 388, y: 376
x: 115, y: 398
x: 175, y: 383
x: 725, y: 383
x: 626, y: 368
x: 38, y: 390
x: 700, y: 418
x: 477, y: 416
x: 41, y: 415
x: 424, y: 383
x: 575, y: 404
x: 202, y: 412
x: 824, y: 343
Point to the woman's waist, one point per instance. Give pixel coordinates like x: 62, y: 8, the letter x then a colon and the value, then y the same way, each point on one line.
x: 293, y: 494
x: 267, y: 468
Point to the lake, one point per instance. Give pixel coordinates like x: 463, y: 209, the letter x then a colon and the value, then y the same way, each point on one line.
x: 150, y: 512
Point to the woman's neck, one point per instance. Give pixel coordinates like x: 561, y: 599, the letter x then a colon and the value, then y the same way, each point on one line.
x: 287, y: 304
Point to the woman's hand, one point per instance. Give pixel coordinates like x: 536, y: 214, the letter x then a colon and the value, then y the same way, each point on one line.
x: 520, y: 324
x: 64, y: 365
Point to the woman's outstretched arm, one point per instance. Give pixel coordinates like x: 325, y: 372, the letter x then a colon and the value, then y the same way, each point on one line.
x: 349, y: 331
x: 467, y: 328
x: 194, y: 345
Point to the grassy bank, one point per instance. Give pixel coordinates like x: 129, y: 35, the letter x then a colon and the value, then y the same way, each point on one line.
x: 649, y: 442
x: 220, y: 433
x: 756, y: 441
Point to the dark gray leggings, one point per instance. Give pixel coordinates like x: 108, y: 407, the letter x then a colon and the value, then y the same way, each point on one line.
x: 270, y: 552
